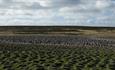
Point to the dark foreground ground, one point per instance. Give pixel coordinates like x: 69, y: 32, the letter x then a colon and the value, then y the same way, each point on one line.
x: 57, y: 48
x: 52, y: 57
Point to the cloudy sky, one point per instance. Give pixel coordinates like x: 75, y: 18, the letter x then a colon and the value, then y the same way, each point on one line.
x: 57, y: 12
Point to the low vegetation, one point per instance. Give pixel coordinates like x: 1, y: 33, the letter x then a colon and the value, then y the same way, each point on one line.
x: 57, y: 48
x: 40, y: 57
x: 59, y: 30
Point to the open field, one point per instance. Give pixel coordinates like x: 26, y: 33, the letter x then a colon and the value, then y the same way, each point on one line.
x: 70, y: 30
x: 57, y: 48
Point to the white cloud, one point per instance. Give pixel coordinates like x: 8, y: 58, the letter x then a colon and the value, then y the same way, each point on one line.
x: 46, y: 3
x: 57, y: 12
x: 103, y: 3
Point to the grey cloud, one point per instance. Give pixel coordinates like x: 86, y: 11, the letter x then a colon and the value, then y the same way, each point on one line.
x: 54, y: 4
x: 7, y: 1
x: 10, y: 4
x: 63, y: 3
x: 34, y: 6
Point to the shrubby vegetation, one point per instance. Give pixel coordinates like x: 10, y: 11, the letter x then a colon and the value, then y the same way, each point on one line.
x: 56, y: 53
x: 40, y: 57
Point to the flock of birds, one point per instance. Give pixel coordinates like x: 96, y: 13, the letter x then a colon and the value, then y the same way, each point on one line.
x: 59, y: 40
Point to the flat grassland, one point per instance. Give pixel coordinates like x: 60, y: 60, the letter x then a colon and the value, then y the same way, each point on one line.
x: 57, y: 48
x: 63, y: 30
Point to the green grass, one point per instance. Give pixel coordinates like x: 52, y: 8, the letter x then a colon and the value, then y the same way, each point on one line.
x: 39, y: 57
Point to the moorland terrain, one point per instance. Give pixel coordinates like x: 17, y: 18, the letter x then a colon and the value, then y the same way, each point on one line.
x: 57, y: 48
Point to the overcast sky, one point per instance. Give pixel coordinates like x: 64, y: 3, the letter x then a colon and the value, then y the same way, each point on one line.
x: 57, y: 12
